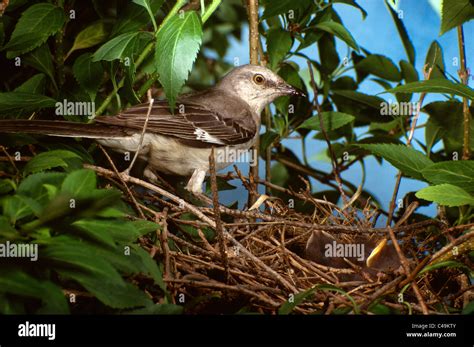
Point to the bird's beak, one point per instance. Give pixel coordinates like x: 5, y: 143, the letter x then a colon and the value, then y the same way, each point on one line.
x: 287, y: 89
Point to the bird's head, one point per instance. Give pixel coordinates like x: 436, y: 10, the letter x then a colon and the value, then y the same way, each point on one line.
x: 257, y: 85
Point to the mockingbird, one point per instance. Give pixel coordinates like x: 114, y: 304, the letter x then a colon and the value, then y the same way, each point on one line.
x: 226, y: 116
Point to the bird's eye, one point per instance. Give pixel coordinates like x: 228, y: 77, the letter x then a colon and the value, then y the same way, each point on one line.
x: 259, y: 79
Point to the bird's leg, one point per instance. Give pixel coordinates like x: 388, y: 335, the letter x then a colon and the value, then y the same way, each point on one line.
x: 195, y: 182
x: 194, y: 185
x: 150, y: 175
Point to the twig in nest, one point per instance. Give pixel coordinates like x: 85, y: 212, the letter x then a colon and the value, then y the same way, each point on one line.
x: 129, y: 192
x: 406, y: 269
x: 126, y: 178
x: 164, y: 243
x: 217, y: 215
x: 197, y: 212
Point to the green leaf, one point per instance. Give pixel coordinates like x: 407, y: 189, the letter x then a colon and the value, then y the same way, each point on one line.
x: 14, y: 101
x: 147, y: 6
x: 79, y: 182
x: 115, y: 48
x: 434, y: 59
x: 369, y: 100
x: 459, y: 173
x: 444, y: 264
x: 34, y: 85
x: 178, y: 43
x: 124, y: 47
x: 145, y: 227
x: 89, y: 37
x: 33, y: 186
x: 454, y: 13
x: 448, y: 116
x: 279, y: 43
x: 387, y: 127
x: 15, y: 208
x: 446, y: 194
x: 331, y: 121
x: 67, y: 252
x: 19, y: 283
x: 41, y: 60
x: 114, y: 294
x: 222, y: 185
x: 88, y: 74
x: 354, y: 4
x: 435, y: 86
x: 275, y: 8
x: 409, y: 72
x: 48, y: 160
x: 402, y: 32
x: 118, y: 230
x: 150, y: 267
x: 159, y: 309
x: 339, y: 31
x: 380, y: 66
x: 408, y: 160
x: 133, y: 17
x: 266, y: 139
x: 36, y: 24
x: 95, y: 269
x: 469, y: 308
x: 6, y: 186
x: 433, y: 133
x: 288, y: 306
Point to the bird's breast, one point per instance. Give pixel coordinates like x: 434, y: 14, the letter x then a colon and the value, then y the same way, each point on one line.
x: 170, y: 156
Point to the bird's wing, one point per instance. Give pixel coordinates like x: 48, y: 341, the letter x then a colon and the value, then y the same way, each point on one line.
x: 192, y: 124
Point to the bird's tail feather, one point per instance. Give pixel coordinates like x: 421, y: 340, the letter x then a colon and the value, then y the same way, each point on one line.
x: 61, y: 128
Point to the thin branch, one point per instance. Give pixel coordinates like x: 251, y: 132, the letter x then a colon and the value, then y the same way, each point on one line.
x: 253, y: 45
x: 464, y: 76
x: 427, y: 75
x: 129, y: 192
x: 406, y: 269
x: 335, y: 166
x: 142, y: 135
x: 217, y: 215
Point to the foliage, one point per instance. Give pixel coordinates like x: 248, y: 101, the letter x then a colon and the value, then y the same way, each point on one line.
x: 83, y: 238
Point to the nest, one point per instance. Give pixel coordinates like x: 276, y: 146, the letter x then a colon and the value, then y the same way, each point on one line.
x: 256, y: 260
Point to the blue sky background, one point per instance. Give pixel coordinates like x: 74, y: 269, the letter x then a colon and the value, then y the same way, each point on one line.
x: 378, y: 34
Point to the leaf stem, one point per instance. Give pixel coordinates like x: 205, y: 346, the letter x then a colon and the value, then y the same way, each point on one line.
x: 210, y: 10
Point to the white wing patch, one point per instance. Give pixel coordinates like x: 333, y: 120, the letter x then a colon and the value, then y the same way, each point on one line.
x: 203, y: 135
